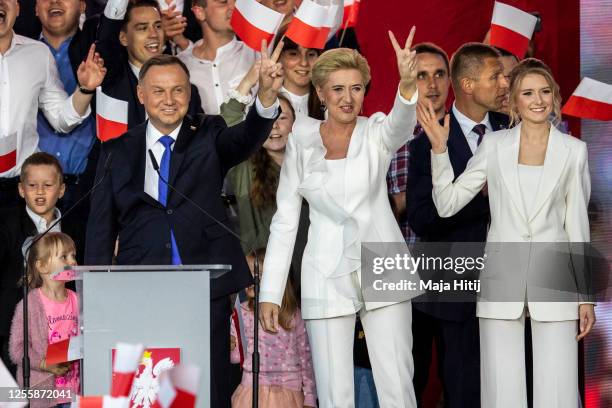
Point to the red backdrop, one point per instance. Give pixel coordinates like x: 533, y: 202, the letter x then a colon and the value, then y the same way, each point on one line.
x: 450, y: 24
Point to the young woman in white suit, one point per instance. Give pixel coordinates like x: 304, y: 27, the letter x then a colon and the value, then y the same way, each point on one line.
x: 339, y: 166
x: 539, y: 186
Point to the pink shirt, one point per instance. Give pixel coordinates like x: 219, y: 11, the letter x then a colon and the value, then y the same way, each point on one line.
x: 63, y: 321
x: 284, y: 357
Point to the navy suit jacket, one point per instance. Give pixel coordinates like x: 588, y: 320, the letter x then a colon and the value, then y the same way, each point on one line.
x: 205, y: 149
x: 468, y: 225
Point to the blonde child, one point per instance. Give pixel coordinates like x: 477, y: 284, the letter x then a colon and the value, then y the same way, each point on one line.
x: 286, y: 378
x: 53, y: 316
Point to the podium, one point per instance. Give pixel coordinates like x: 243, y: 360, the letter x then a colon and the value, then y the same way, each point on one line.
x: 158, y: 306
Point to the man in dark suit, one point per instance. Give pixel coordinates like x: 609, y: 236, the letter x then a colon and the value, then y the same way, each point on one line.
x: 479, y: 87
x: 128, y: 35
x: 153, y: 224
x: 19, y: 223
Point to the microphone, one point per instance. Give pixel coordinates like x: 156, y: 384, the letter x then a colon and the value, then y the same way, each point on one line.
x: 255, y: 361
x: 25, y: 250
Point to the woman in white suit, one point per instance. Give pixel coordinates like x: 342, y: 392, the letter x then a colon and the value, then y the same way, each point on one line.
x: 539, y: 186
x: 339, y: 166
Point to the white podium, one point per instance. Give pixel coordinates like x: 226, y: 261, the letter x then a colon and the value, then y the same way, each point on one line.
x: 158, y: 306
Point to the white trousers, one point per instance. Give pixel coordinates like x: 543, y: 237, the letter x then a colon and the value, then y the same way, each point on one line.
x: 388, y: 332
x: 502, y: 364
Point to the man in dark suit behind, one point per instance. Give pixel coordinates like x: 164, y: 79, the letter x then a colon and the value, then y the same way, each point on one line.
x: 479, y: 87
x: 129, y: 34
x: 153, y: 224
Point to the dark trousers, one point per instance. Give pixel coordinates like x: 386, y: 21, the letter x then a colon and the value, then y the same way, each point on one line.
x: 458, y: 347
x: 220, y: 366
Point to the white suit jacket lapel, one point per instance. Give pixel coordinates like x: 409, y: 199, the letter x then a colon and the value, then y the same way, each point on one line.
x: 554, y: 163
x: 508, y: 153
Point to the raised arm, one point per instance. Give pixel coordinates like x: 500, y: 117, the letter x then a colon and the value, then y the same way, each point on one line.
x: 232, y: 110
x: 449, y: 196
x: 107, y: 41
x: 63, y: 112
x: 237, y: 143
x: 397, y: 126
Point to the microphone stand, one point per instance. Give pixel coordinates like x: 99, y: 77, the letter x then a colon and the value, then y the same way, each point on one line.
x: 27, y: 246
x: 255, y: 357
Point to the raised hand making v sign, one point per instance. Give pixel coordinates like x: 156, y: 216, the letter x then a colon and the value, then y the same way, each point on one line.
x: 270, y: 74
x: 406, y: 64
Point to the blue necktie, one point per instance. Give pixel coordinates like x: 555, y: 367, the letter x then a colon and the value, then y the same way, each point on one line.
x: 164, y: 171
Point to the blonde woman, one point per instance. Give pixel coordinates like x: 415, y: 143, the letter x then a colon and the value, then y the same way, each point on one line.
x: 539, y: 186
x: 339, y: 166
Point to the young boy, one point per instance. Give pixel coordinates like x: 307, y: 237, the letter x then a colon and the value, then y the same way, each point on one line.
x: 41, y: 185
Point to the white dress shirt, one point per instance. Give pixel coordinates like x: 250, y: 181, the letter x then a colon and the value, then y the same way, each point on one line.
x: 41, y: 223
x: 153, y: 143
x: 215, y: 78
x: 298, y: 102
x: 151, y: 185
x: 468, y: 124
x: 28, y: 81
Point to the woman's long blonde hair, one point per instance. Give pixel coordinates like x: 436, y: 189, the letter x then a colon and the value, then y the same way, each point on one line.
x: 518, y: 73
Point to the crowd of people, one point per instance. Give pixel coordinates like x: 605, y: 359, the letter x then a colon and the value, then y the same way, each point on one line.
x: 271, y: 144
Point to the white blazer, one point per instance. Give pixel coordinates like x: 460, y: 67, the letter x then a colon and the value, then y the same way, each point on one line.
x: 559, y: 215
x: 330, y: 281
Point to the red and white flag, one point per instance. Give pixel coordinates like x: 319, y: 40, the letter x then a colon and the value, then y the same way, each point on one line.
x: 178, y: 387
x: 591, y: 100
x: 8, y: 152
x: 66, y: 350
x: 101, y: 402
x: 253, y: 22
x: 351, y: 12
x: 111, y: 116
x: 512, y: 29
x: 311, y: 25
x: 126, y: 361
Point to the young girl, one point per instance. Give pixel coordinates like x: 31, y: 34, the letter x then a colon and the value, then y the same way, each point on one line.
x: 286, y: 379
x: 53, y: 316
